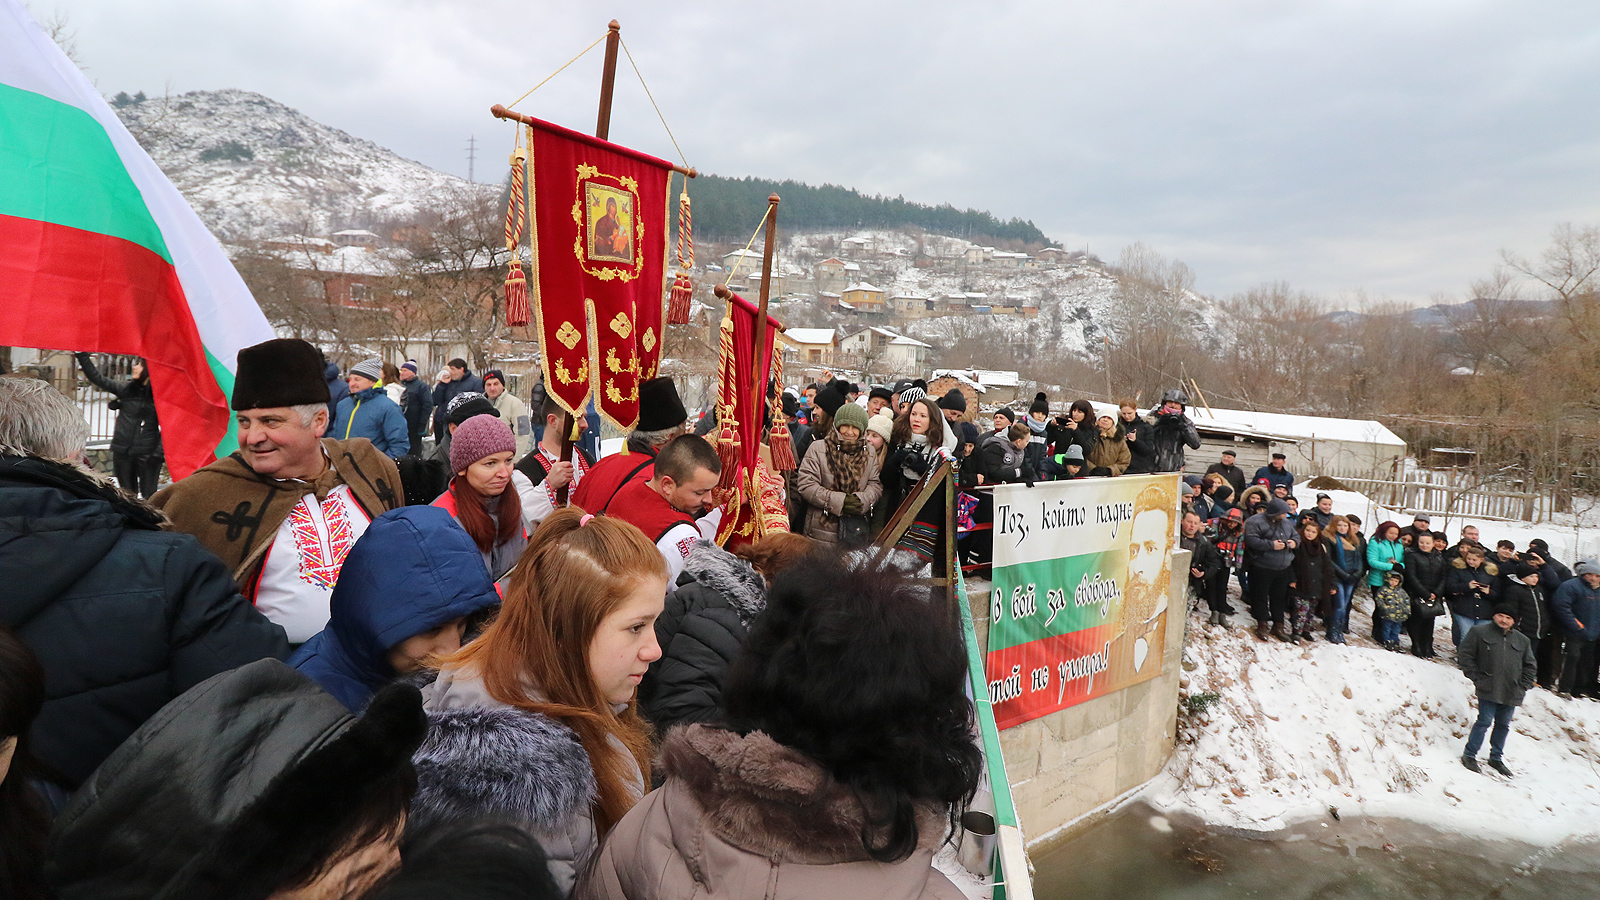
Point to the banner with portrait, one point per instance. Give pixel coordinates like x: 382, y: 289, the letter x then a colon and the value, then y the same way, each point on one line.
x: 598, y: 231
x: 1078, y: 603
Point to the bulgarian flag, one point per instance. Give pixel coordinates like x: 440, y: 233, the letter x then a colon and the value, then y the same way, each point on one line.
x: 99, y: 252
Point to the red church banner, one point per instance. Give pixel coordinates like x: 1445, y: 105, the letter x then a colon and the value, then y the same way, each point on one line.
x: 598, y: 231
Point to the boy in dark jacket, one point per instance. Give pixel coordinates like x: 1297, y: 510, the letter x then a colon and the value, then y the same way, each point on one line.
x: 1499, y: 661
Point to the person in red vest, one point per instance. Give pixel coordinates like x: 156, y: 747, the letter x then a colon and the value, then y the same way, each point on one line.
x: 662, y: 417
x: 664, y: 506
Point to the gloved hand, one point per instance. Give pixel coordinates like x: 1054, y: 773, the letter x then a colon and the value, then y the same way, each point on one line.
x: 852, y: 505
x: 916, y: 462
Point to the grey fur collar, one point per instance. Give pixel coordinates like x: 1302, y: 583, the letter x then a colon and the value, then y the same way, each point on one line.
x: 730, y: 576
x: 774, y: 801
x: 502, y: 762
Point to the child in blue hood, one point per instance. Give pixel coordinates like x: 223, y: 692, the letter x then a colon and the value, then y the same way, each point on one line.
x: 402, y: 596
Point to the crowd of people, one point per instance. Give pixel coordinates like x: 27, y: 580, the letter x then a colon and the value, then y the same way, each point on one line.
x: 862, y: 452
x: 1518, y: 618
x: 321, y: 667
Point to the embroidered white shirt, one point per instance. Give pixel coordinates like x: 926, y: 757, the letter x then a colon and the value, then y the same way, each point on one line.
x: 301, y: 568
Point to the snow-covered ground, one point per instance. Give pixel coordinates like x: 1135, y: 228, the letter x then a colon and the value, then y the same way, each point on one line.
x: 1299, y: 731
x: 1296, y: 732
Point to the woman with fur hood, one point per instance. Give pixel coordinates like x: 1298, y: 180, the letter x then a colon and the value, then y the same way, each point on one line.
x: 845, y: 758
x: 704, y: 624
x: 839, y: 476
x: 536, y: 721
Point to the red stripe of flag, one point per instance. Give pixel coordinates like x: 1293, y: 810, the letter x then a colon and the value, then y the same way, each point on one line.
x: 70, y: 289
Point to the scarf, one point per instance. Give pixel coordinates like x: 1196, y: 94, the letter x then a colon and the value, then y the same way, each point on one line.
x: 1037, y: 428
x: 235, y: 513
x: 847, y: 461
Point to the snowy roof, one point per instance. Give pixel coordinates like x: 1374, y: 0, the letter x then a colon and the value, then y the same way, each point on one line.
x: 810, y: 335
x: 996, y: 378
x: 852, y: 267
x: 828, y: 294
x: 1362, y: 431
x: 354, y: 232
x: 832, y: 260
x: 862, y: 286
x: 907, y: 341
x: 854, y: 240
x: 965, y: 376
x: 844, y: 305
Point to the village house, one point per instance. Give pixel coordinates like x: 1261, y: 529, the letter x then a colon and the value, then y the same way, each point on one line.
x: 747, y: 260
x: 864, y: 298
x: 884, y: 351
x: 810, y: 345
x: 911, y: 306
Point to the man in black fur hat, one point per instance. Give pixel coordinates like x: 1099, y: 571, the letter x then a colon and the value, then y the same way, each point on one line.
x: 662, y: 417
x: 284, y: 509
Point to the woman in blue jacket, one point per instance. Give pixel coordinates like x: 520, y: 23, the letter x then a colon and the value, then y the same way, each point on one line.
x: 403, y: 595
x: 1383, y: 551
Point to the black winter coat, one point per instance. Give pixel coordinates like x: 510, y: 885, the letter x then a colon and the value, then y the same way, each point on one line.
x: 1424, y: 574
x: 123, y: 616
x: 416, y: 401
x: 701, y: 630
x: 1142, y: 448
x: 1533, y: 608
x: 1203, y: 556
x: 1458, y: 592
x: 1314, y: 575
x: 1170, y: 435
x: 137, y: 432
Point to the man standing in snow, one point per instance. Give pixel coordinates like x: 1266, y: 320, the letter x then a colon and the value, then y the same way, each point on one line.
x: 1499, y: 660
x: 1276, y: 473
x: 1230, y: 472
x: 1269, y: 542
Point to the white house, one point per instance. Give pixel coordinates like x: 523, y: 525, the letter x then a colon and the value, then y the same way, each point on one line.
x: 811, y: 345
x: 885, y: 351
x: 746, y: 260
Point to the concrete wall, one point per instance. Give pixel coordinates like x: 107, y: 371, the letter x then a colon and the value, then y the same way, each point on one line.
x: 1065, y: 765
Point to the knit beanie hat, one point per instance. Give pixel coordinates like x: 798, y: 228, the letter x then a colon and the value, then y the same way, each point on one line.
x: 1074, y: 453
x: 410, y: 364
x: 912, y: 394
x: 478, y: 437
x: 850, y: 414
x: 1007, y: 413
x: 881, y: 425
x: 954, y: 400
x: 1507, y: 609
x: 969, y: 433
x: 370, y: 368
x: 1041, y: 404
x: 467, y: 404
x: 881, y: 393
x: 829, y: 399
x: 496, y: 374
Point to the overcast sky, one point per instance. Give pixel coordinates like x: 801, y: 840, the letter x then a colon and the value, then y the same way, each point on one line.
x: 1392, y: 147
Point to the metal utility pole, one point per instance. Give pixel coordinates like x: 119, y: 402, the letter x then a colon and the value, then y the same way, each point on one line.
x: 472, y: 158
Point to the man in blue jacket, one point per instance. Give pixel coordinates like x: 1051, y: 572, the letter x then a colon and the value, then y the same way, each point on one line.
x: 1275, y: 473
x: 454, y: 380
x: 1576, y: 607
x: 369, y: 413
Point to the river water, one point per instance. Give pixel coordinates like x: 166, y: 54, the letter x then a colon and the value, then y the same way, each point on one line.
x: 1137, y: 854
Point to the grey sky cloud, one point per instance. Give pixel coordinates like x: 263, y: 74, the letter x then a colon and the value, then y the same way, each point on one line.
x: 1392, y: 147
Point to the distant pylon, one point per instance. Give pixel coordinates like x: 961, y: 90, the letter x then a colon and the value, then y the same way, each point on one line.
x: 472, y: 157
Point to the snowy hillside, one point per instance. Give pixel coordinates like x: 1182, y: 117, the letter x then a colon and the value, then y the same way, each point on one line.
x: 254, y: 168
x: 1076, y: 299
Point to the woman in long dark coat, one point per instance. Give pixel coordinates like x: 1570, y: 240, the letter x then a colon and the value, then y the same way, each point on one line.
x: 136, y: 455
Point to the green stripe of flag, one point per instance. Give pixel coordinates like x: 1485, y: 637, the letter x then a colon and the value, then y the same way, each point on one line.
x: 57, y: 165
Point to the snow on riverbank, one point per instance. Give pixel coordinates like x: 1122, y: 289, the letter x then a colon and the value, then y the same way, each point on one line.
x: 1297, y: 730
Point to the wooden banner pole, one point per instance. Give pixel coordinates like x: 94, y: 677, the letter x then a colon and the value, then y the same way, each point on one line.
x: 608, y: 80
x: 759, y: 377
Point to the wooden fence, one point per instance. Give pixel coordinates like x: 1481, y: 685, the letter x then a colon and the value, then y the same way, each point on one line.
x: 1451, y: 500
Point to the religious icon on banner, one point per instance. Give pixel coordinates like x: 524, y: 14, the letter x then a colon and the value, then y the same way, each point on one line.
x: 610, y: 223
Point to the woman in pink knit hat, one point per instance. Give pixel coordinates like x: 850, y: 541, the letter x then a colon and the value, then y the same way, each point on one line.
x: 481, y: 494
